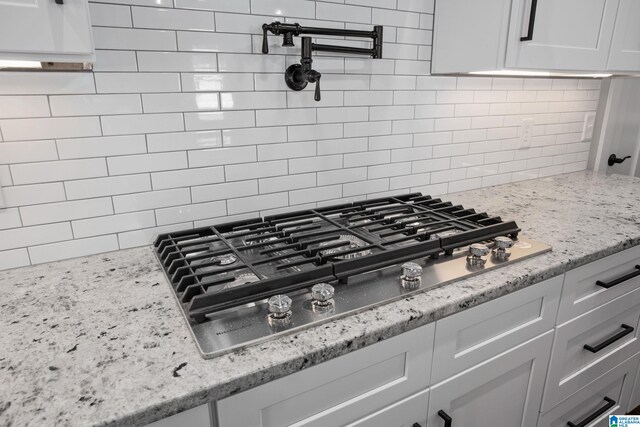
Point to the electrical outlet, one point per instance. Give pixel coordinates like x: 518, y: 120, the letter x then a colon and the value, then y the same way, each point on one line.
x: 526, y: 129
x: 1, y: 198
x: 587, y: 127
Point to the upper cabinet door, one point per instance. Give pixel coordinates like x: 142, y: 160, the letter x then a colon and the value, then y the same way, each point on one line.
x: 572, y: 35
x: 43, y: 30
x: 625, y: 48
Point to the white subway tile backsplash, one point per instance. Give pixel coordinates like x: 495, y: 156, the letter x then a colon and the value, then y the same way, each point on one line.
x: 94, y: 105
x: 112, y: 224
x: 227, y: 190
x: 27, y: 151
x: 255, y: 170
x: 177, y: 102
x: 15, y: 107
x: 134, y: 39
x: 185, y: 123
x: 192, y: 212
x: 124, y: 165
x: 256, y: 203
x: 240, y: 6
x: 16, y: 83
x: 137, y: 82
x: 47, y: 128
x: 172, y: 19
x: 219, y: 120
x: 177, y: 141
x: 107, y: 15
x: 86, y: 188
x: 73, y: 248
x: 23, y: 195
x: 151, y: 200
x: 187, y: 177
x: 32, y: 173
x: 213, y: 42
x: 37, y: 235
x: 65, y: 211
x: 141, y: 123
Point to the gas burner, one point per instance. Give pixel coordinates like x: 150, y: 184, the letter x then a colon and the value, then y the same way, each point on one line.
x: 356, y: 221
x: 254, y: 240
x: 226, y: 259
x: 242, y: 279
x: 354, y: 243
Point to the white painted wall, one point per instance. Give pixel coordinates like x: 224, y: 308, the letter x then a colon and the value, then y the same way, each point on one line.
x: 185, y: 123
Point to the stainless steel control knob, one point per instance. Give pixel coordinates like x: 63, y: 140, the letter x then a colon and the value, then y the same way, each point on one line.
x: 478, y: 250
x: 411, y: 270
x: 322, y: 293
x: 503, y: 242
x: 411, y: 275
x: 279, y: 306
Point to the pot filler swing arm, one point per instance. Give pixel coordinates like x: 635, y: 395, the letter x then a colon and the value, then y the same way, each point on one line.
x: 297, y: 76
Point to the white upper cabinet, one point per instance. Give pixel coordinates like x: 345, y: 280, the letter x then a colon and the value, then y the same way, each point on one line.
x: 625, y: 48
x: 46, y: 31
x: 584, y: 36
x: 572, y: 35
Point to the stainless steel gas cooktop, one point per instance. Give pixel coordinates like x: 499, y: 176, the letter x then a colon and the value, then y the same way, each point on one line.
x: 244, y: 282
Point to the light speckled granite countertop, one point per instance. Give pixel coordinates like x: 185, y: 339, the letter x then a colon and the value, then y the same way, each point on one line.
x: 100, y: 340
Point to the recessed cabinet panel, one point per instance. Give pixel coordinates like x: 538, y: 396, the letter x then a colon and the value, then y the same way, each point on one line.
x: 340, y: 391
x: 44, y: 30
x: 475, y: 335
x: 625, y: 48
x: 503, y: 391
x: 572, y: 35
x: 607, y: 395
x: 634, y: 402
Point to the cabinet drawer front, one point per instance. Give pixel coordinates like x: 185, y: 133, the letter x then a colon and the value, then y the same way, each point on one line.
x: 503, y: 391
x: 581, y: 291
x: 339, y: 391
x: 607, y: 395
x: 475, y: 335
x: 573, y: 366
x: 405, y: 413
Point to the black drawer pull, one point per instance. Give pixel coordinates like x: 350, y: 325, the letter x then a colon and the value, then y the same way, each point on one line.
x: 620, y: 279
x: 532, y: 22
x: 626, y: 331
x: 447, y: 419
x: 610, y: 404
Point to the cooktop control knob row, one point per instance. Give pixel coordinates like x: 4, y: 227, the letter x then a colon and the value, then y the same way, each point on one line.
x: 322, y: 293
x: 411, y: 275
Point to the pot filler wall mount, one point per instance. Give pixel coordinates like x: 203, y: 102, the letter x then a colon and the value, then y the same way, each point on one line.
x: 297, y: 76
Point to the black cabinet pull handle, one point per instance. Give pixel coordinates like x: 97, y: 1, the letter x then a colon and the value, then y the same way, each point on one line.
x: 532, y: 22
x: 610, y: 404
x: 416, y: 425
x: 596, y: 348
x: 620, y: 279
x: 447, y: 419
x: 59, y: 1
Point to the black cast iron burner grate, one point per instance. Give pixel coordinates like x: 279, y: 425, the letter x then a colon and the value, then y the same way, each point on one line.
x: 228, y: 265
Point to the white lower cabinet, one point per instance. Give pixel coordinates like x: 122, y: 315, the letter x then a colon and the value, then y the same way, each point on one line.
x: 592, y: 344
x: 634, y: 402
x: 592, y: 405
x: 409, y: 412
x: 338, y: 392
x: 504, y: 391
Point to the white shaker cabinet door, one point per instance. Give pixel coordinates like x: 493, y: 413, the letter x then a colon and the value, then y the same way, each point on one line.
x: 44, y: 30
x: 565, y: 35
x: 503, y: 391
x: 625, y: 48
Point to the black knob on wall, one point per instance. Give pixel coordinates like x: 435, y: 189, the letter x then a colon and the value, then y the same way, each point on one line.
x: 613, y: 159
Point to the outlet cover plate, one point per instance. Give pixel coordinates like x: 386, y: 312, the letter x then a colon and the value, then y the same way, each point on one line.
x: 587, y: 126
